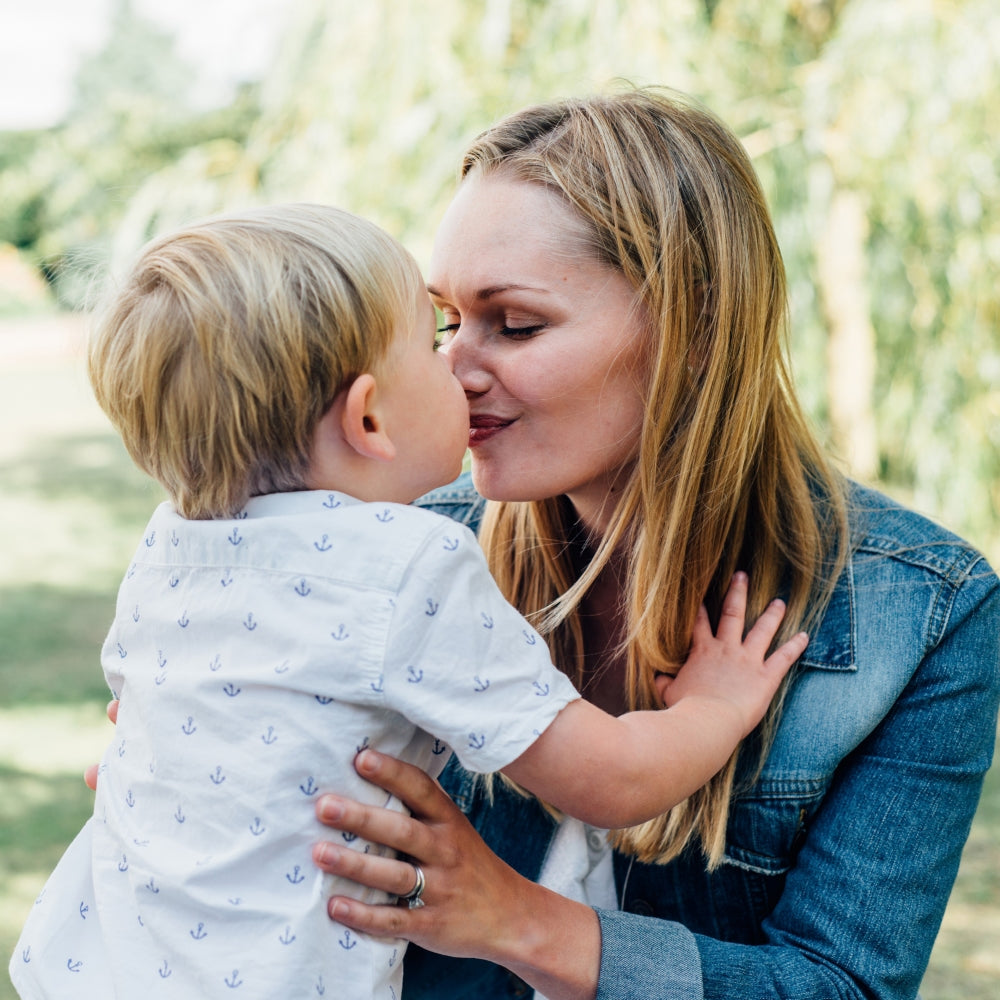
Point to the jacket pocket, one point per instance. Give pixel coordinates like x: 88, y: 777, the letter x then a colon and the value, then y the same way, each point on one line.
x: 768, y: 825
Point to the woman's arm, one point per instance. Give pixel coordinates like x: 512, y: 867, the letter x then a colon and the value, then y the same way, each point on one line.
x: 856, y: 915
x: 476, y: 905
x: 858, y: 911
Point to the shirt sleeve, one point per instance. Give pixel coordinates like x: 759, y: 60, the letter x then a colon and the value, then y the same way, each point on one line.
x: 461, y: 663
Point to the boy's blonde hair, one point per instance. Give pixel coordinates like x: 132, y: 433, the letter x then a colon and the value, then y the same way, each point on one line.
x: 230, y: 339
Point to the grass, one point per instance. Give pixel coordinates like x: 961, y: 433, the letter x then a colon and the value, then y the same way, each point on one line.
x: 71, y: 511
x: 72, y: 507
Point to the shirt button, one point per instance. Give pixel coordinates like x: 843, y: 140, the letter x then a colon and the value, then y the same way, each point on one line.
x: 641, y: 907
x: 596, y: 840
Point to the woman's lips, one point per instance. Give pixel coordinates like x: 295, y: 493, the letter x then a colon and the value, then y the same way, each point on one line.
x: 482, y: 428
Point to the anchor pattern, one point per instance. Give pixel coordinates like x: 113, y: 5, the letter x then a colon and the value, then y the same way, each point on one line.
x: 453, y: 656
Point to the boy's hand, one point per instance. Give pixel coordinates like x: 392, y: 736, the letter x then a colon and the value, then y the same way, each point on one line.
x: 725, y: 667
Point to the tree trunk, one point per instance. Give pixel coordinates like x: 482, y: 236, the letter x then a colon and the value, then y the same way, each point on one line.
x: 841, y: 266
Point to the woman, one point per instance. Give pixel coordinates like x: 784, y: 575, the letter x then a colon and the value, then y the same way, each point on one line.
x: 614, y: 306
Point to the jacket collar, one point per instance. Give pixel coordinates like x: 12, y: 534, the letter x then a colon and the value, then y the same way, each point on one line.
x: 835, y: 644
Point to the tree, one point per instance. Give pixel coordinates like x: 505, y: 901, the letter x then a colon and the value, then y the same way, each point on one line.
x: 64, y: 190
x: 869, y: 122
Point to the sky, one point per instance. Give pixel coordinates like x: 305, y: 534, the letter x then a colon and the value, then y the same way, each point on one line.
x: 42, y: 42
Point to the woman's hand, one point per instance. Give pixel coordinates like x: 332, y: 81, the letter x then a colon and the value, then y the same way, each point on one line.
x: 475, y: 905
x: 90, y: 775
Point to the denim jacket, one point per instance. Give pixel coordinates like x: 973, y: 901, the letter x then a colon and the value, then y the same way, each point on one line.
x: 841, y: 854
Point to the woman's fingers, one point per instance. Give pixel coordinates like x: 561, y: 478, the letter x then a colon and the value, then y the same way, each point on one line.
x: 420, y: 793
x: 379, y: 921
x: 427, y: 803
x: 387, y: 827
x: 467, y: 891
x: 386, y: 874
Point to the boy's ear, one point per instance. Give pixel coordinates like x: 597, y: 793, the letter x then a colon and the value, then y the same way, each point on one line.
x: 361, y: 421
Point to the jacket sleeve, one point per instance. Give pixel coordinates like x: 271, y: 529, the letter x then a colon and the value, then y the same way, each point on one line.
x: 860, y: 908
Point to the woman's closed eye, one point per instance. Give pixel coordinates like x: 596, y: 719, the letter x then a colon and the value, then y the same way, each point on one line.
x: 520, y: 332
x: 447, y: 332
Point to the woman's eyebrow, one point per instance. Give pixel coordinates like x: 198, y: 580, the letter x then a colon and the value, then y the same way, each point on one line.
x: 486, y: 293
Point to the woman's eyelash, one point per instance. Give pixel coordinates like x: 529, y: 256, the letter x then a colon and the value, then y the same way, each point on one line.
x: 439, y: 340
x: 504, y: 331
x: 520, y: 331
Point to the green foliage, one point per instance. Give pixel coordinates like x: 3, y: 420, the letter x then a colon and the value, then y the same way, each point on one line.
x: 929, y: 77
x: 65, y: 190
x: 369, y: 106
x: 889, y: 105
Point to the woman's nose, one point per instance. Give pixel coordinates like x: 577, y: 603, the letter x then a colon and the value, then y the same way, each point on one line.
x: 466, y: 362
x: 445, y: 351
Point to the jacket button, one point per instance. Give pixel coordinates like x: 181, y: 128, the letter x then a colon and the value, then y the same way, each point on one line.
x: 519, y: 988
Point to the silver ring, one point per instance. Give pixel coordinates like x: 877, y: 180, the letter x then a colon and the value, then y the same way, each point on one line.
x: 412, y: 897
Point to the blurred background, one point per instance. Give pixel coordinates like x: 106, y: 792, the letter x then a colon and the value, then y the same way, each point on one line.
x: 873, y: 125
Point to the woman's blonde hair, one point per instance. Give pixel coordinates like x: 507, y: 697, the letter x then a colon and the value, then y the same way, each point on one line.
x: 230, y: 338
x: 728, y: 474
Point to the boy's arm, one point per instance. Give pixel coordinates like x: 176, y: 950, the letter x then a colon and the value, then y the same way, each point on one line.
x: 616, y: 772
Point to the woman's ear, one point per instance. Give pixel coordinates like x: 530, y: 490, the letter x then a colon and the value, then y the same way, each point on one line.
x: 361, y: 421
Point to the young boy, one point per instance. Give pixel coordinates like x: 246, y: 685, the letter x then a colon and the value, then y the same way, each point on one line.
x: 276, y: 371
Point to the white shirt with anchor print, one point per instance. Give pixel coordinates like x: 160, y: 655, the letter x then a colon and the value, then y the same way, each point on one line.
x: 254, y: 657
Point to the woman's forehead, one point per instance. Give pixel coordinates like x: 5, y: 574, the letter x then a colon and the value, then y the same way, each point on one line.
x: 499, y: 231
